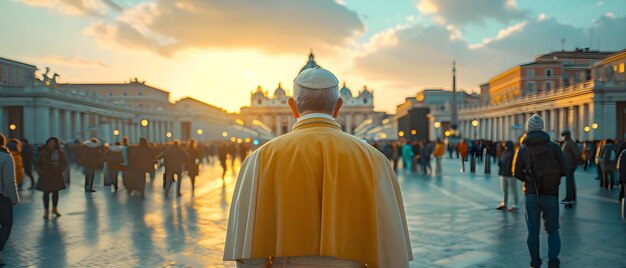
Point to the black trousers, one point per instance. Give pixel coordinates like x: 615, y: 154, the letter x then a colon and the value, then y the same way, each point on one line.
x: 89, y: 174
x: 6, y: 220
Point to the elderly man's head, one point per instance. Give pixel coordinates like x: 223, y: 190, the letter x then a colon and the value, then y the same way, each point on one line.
x: 316, y: 90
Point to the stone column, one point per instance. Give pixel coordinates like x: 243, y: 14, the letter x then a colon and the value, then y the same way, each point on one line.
x: 29, y: 124
x: 86, y: 126
x: 55, y: 123
x: 67, y: 125
x: 592, y: 119
x: 608, y: 122
x: 42, y: 124
x: 570, y: 120
x: 562, y: 120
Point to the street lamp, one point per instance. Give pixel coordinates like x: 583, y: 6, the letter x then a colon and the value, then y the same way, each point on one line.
x: 447, y: 133
x: 199, y: 131
x: 12, y: 127
x: 116, y: 132
x: 401, y: 133
x: 144, y: 122
x: 594, y: 125
x: 168, y: 134
x: 587, y: 129
x: 224, y: 134
x: 437, y: 124
x: 413, y: 132
x: 475, y: 124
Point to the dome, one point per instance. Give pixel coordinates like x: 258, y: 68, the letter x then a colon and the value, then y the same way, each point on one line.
x: 366, y: 92
x: 279, y: 92
x: 310, y: 64
x: 258, y: 92
x: 345, y: 92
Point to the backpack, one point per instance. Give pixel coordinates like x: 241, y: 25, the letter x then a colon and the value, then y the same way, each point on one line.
x: 544, y: 168
x: 610, y: 154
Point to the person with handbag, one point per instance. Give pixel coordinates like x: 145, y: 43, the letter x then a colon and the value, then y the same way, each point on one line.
x: 51, y: 164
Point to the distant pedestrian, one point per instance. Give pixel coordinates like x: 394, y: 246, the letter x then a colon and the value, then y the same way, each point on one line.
x: 407, y: 156
x: 621, y: 168
x: 194, y: 157
x: 15, y: 149
x: 572, y: 156
x: 27, y: 161
x: 50, y: 164
x: 507, y: 181
x: 222, y: 154
x: 90, y: 158
x: 540, y: 164
x: 438, y: 154
x: 114, y: 158
x: 8, y: 195
x: 463, y: 149
x: 607, y: 161
x: 140, y: 161
x: 395, y: 154
x: 175, y: 159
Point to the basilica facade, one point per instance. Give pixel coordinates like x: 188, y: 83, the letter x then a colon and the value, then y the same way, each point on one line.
x: 273, y: 111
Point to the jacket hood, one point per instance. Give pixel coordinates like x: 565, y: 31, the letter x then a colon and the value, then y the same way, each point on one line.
x: 4, y: 149
x: 536, y: 138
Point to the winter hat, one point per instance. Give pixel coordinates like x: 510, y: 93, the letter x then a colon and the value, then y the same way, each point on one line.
x: 535, y: 123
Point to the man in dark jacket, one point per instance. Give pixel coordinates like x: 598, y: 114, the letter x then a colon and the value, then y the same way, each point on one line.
x: 175, y: 158
x: 8, y: 195
x: 572, y: 155
x: 621, y: 168
x: 90, y: 159
x: 540, y: 164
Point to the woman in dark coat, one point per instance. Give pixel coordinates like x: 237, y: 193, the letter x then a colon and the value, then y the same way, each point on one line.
x: 51, y: 164
x: 141, y: 161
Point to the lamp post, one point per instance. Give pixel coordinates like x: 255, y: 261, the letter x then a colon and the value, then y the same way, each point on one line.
x: 200, y: 132
x: 475, y: 125
x: 473, y: 156
x: 144, y: 125
x: 437, y: 125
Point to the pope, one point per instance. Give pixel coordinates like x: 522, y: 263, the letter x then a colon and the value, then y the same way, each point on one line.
x: 317, y: 196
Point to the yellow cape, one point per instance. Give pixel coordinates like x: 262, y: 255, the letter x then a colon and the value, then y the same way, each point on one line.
x: 318, y: 191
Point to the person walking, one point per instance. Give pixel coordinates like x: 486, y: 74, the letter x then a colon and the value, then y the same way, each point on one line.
x: 89, y: 157
x: 50, y: 164
x: 27, y: 161
x: 621, y: 168
x: 407, y: 156
x: 572, y: 156
x: 175, y: 158
x: 327, y: 198
x: 607, y: 159
x: 8, y: 195
x: 463, y: 150
x: 15, y: 149
x: 222, y: 154
x: 540, y: 164
x: 438, y: 154
x: 507, y: 181
x: 194, y: 157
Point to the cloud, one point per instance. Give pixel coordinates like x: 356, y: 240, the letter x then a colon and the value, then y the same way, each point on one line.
x: 422, y: 55
x: 77, y: 7
x: 476, y: 11
x: 77, y: 61
x: 281, y: 26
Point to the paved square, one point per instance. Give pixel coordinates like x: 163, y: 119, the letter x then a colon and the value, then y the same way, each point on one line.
x: 452, y: 223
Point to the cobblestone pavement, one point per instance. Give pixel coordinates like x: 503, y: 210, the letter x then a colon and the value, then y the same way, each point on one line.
x: 452, y: 223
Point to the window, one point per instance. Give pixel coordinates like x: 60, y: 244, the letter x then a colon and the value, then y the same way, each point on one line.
x: 548, y: 72
x: 125, y: 94
x: 110, y: 94
x: 621, y: 68
x: 530, y: 73
x: 365, y: 101
x: 548, y: 86
x: 530, y: 87
x: 258, y: 102
x: 140, y: 93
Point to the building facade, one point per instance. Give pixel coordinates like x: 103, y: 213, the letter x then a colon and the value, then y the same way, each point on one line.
x: 37, y: 109
x: 274, y: 112
x: 583, y: 91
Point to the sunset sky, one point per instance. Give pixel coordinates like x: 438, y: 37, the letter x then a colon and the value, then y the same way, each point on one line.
x: 219, y: 51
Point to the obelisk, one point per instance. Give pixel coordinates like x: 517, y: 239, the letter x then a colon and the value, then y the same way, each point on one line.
x: 454, y: 118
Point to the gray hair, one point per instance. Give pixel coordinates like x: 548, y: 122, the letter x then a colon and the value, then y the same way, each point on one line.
x: 318, y: 100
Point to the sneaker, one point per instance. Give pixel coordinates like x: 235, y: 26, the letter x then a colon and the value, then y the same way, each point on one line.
x: 502, y: 206
x: 512, y: 208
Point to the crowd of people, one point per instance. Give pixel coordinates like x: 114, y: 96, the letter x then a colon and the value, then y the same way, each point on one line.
x: 54, y: 160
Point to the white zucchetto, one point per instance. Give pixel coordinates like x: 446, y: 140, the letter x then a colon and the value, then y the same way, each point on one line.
x: 316, y: 78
